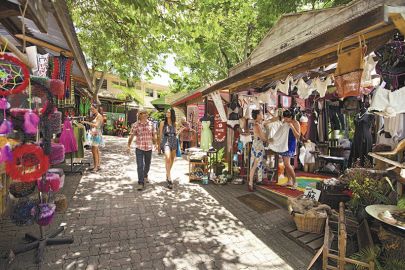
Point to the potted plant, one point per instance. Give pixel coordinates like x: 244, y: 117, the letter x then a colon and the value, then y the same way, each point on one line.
x: 368, y: 187
x: 219, y: 164
x: 108, y: 129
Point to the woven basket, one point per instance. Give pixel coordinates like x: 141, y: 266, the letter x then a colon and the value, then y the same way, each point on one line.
x: 61, y: 203
x: 309, y: 224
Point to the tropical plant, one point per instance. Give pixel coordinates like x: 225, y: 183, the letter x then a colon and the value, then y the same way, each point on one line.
x: 369, y: 254
x: 368, y: 188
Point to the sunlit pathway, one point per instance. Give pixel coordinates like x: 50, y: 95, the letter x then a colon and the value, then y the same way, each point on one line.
x: 190, y: 227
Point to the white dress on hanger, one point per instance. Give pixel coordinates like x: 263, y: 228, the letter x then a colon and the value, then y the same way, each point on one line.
x: 388, y: 103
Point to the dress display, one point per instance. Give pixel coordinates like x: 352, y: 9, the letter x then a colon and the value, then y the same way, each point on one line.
x: 257, y: 152
x: 362, y: 140
x: 206, y: 135
x: 67, y: 137
x: 79, y: 132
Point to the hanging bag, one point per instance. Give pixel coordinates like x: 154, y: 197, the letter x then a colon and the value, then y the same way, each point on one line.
x: 178, y: 151
x: 349, y: 69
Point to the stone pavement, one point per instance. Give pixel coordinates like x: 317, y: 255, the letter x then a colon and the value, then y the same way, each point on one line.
x: 190, y: 227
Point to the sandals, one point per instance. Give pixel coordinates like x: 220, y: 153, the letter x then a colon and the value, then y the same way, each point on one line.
x: 250, y: 188
x: 169, y: 184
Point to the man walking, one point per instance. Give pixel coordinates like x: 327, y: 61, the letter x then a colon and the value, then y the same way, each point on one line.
x: 145, y: 134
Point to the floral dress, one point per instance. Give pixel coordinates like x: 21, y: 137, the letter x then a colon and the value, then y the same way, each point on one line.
x: 257, y: 152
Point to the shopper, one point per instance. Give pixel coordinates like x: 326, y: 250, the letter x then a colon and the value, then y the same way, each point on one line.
x: 96, y: 136
x: 185, y: 134
x: 257, y: 151
x: 293, y: 135
x: 145, y: 133
x: 167, y: 132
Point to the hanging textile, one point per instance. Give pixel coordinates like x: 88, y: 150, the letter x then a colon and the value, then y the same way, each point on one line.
x: 80, y: 135
x: 42, y: 63
x: 388, y: 103
x: 67, y: 137
x: 279, y: 142
x: 206, y: 135
x: 304, y: 90
x: 61, y: 69
x: 362, y: 140
x: 322, y: 86
x: 284, y: 87
x: 216, y: 97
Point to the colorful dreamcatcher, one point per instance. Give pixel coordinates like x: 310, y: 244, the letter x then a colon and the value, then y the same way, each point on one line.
x: 14, y: 75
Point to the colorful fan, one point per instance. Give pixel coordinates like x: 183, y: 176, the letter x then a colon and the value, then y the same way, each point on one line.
x: 14, y: 75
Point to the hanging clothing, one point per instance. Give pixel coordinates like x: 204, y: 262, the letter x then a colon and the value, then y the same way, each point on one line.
x: 169, y: 139
x: 362, y: 140
x: 304, y: 125
x: 245, y: 139
x: 292, y: 144
x: 306, y: 157
x: 272, y: 128
x: 336, y: 118
x: 80, y: 134
x: 206, y: 135
x: 322, y: 86
x: 388, y: 103
x: 304, y: 90
x: 257, y: 152
x: 279, y: 142
x: 67, y: 137
x: 284, y: 87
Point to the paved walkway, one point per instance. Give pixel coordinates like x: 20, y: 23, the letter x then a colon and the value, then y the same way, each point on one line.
x: 190, y: 227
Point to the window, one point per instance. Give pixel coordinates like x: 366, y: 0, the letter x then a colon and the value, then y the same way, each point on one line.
x: 104, y: 85
x: 115, y: 83
x: 123, y: 84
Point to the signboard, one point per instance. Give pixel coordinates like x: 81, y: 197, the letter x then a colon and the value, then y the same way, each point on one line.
x: 112, y: 117
x: 312, y: 194
x: 219, y: 129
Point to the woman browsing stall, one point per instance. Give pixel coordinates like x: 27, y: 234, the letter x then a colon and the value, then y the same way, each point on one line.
x: 96, y: 136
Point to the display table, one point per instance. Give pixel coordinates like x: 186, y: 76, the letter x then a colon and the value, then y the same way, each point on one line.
x: 197, y: 168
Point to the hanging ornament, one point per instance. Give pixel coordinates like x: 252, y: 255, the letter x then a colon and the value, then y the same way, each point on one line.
x: 14, y: 75
x: 28, y: 164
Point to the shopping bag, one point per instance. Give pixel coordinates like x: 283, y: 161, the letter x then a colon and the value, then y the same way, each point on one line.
x: 178, y: 152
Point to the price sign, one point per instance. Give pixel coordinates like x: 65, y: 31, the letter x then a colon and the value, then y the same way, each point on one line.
x: 312, y: 194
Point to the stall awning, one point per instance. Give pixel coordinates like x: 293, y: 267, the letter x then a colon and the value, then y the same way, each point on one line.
x: 303, y: 41
x: 48, y: 26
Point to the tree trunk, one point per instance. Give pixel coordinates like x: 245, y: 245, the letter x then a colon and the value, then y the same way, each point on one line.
x: 98, y: 86
x: 248, y: 35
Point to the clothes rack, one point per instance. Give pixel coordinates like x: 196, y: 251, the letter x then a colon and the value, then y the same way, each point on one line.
x: 77, y: 167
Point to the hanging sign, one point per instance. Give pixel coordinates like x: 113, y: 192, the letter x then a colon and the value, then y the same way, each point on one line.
x: 219, y: 129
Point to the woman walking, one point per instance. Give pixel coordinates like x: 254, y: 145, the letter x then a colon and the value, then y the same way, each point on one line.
x: 167, y: 132
x: 96, y: 136
x: 293, y: 134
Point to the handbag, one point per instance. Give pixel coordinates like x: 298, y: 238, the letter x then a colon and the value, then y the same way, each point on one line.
x: 351, y: 59
x: 348, y: 85
x: 178, y: 152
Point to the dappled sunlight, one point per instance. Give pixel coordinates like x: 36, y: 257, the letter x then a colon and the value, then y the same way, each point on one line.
x: 184, y: 228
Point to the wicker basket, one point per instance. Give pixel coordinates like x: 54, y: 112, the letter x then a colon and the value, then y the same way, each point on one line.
x: 309, y: 224
x: 61, y: 203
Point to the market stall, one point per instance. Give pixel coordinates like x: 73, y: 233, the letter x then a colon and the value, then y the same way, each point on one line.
x: 319, y: 112
x: 44, y: 81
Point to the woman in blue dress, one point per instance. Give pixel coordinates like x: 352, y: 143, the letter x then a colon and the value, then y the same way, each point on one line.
x: 293, y: 136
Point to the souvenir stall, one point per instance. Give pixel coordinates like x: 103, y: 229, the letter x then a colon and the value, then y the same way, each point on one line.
x: 341, y: 84
x: 34, y: 82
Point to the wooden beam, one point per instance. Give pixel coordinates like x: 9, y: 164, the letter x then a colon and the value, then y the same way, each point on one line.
x: 38, y: 13
x: 6, y: 13
x: 298, y: 66
x: 45, y: 44
x: 15, y: 50
x: 333, y: 36
x: 399, y: 21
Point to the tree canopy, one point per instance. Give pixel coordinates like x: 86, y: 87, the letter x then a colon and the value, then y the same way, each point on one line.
x: 206, y: 37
